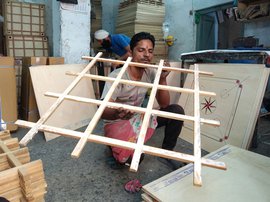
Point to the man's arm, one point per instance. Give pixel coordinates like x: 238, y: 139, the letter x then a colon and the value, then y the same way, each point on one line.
x: 163, y: 96
x: 127, y: 54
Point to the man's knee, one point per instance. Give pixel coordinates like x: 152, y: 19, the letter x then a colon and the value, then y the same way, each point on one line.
x: 175, y: 108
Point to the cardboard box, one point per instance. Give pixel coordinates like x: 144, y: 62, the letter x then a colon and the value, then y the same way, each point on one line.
x: 1, y: 39
x: 55, y: 61
x: 29, y: 109
x: 8, y: 92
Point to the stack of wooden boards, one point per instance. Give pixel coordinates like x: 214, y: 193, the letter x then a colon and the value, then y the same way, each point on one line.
x: 8, y: 92
x: 143, y: 15
x: 20, y: 179
x: 28, y: 108
x: 24, y: 33
x: 245, y: 169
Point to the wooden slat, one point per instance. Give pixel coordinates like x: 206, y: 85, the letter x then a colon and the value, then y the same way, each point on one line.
x: 139, y: 148
x: 4, y: 135
x: 197, y: 180
x: 143, y: 84
x: 146, y: 65
x: 135, y: 109
x: 11, y: 157
x: 123, y: 144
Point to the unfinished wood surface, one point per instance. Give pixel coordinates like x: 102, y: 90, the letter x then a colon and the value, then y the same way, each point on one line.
x: 218, y: 186
x: 240, y: 89
x: 69, y: 114
x: 146, y: 119
x: 136, y: 109
x: 147, y: 65
x: 123, y: 144
x: 8, y: 94
x: 53, y: 107
x: 197, y: 179
x: 20, y: 182
x: 25, y: 182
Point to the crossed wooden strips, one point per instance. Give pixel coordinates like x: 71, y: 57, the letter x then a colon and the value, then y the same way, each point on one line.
x: 138, y: 147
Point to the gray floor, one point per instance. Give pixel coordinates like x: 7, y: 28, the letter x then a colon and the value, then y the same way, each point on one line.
x: 89, y: 178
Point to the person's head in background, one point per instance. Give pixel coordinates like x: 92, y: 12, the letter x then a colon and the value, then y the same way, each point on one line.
x: 103, y: 38
x: 142, y: 47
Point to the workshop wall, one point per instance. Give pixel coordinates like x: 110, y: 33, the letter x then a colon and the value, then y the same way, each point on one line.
x: 261, y: 30
x: 184, y: 10
x: 75, y: 32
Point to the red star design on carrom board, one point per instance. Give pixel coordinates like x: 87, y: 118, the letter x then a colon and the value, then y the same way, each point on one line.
x: 208, y: 106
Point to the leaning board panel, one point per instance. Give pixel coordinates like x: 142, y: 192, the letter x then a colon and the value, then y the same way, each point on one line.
x: 24, y: 18
x: 27, y: 46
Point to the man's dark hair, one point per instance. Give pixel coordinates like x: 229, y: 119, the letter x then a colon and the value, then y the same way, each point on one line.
x: 141, y: 36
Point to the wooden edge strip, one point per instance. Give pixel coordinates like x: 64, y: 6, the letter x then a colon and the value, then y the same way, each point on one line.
x: 197, y: 179
x: 147, y: 65
x: 123, y: 144
x: 146, y: 119
x: 80, y: 145
x: 135, y: 109
x: 31, y: 133
x: 143, y: 84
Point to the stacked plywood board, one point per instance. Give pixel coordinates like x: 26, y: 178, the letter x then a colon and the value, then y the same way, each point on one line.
x: 244, y: 168
x: 24, y: 33
x: 20, y: 179
x: 69, y: 115
x: 143, y: 15
x: 8, y: 96
x: 28, y: 105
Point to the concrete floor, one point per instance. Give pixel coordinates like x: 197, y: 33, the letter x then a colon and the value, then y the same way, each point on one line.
x: 89, y: 178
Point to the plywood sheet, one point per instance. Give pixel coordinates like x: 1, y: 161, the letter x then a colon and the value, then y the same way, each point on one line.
x: 52, y: 78
x: 246, y: 179
x: 8, y: 92
x: 239, y: 89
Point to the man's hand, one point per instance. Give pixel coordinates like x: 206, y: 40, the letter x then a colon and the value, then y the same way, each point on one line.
x: 165, y: 73
x: 124, y: 114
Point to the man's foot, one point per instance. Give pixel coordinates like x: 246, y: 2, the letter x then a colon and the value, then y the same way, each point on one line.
x: 172, y: 164
x: 115, y: 165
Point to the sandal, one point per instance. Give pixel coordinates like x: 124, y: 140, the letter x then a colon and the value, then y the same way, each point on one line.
x: 133, y: 186
x: 115, y: 165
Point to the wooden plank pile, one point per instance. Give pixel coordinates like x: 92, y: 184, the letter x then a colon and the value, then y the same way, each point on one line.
x: 20, y: 179
x: 143, y: 15
x: 241, y: 163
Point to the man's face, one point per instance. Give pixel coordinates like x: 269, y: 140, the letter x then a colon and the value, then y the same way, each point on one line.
x: 143, y: 52
x: 105, y: 43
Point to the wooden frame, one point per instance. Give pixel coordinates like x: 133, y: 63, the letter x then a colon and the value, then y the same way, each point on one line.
x: 138, y: 147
